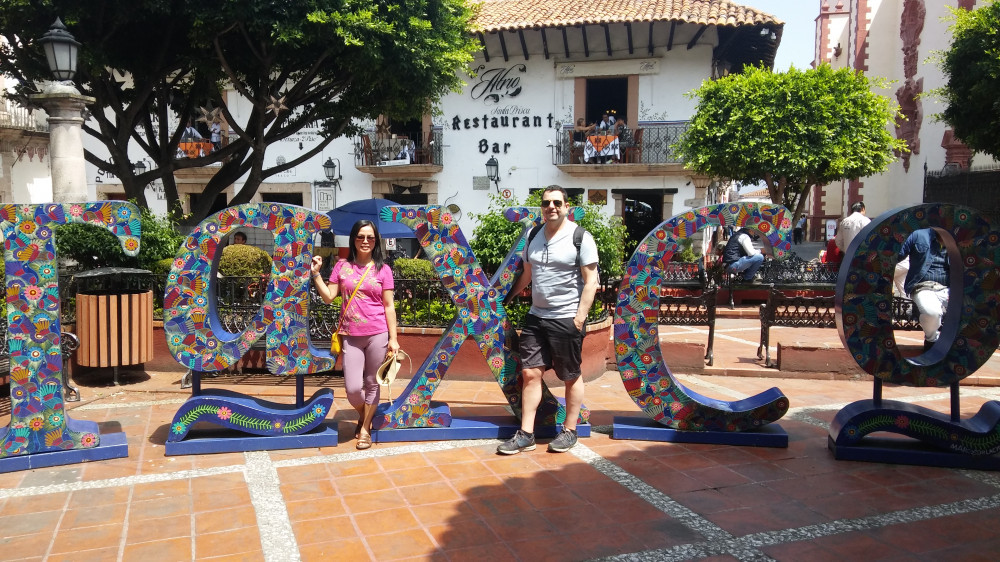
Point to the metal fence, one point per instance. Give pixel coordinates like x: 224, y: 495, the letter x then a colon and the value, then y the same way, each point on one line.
x: 654, y: 145
x: 419, y: 302
x: 978, y: 188
x: 414, y: 147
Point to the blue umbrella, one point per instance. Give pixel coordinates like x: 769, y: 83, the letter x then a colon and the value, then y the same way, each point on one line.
x: 344, y: 217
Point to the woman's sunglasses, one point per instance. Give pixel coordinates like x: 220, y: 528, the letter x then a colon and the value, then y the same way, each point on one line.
x: 361, y: 238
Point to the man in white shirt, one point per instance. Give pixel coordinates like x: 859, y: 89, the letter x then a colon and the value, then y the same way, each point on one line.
x: 740, y: 256
x: 191, y: 133
x: 851, y: 226
x: 607, y: 123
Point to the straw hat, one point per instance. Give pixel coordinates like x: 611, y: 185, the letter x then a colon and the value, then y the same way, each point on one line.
x: 387, y: 371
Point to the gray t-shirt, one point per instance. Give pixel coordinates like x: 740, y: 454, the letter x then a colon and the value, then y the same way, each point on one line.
x: 556, y: 281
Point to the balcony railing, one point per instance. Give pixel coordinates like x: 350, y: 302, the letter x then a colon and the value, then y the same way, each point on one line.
x: 14, y: 116
x: 651, y: 144
x: 371, y: 149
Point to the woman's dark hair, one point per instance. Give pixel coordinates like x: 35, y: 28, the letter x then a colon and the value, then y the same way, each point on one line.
x: 377, y: 256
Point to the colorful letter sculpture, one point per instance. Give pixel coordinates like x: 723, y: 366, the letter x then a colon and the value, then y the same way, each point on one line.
x: 480, y: 315
x: 197, y: 340
x: 40, y: 433
x: 676, y: 413
x: 968, y: 339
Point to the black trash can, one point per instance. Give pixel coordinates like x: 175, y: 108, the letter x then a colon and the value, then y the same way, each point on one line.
x: 114, y: 317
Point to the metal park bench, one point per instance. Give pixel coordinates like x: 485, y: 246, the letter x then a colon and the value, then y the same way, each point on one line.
x: 796, y: 311
x: 792, y: 273
x: 692, y: 309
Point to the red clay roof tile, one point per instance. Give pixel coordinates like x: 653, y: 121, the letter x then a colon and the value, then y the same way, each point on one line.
x: 496, y: 15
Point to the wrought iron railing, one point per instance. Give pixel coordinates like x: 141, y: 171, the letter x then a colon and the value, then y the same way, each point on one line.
x: 372, y: 149
x: 978, y: 188
x: 15, y: 116
x: 419, y: 302
x: 650, y: 144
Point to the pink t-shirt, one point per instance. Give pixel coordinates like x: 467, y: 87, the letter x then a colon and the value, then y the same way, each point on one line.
x: 366, y: 315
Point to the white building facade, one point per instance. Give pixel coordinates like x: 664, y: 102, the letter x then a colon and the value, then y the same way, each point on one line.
x: 895, y: 40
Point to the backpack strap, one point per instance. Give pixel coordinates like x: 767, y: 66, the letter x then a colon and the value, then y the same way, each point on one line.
x: 534, y: 232
x: 577, y: 239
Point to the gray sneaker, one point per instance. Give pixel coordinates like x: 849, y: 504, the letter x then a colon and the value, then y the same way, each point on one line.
x: 521, y: 441
x: 564, y: 441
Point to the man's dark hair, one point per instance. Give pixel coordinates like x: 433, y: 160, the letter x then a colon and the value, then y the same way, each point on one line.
x: 240, y: 236
x: 558, y: 188
x: 858, y: 207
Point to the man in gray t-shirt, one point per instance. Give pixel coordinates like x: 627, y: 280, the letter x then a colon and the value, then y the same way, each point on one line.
x: 562, y: 291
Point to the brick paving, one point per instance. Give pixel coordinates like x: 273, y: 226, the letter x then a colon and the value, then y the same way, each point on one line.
x: 605, y: 499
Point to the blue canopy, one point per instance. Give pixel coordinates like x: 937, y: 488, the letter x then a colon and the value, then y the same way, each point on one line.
x: 344, y: 217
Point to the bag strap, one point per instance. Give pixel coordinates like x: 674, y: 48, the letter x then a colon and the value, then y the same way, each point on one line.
x: 577, y: 239
x: 354, y: 292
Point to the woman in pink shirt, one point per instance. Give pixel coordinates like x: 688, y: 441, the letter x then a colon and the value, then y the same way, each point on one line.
x: 368, y: 325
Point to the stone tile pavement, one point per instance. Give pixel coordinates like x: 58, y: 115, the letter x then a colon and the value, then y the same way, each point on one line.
x: 605, y: 499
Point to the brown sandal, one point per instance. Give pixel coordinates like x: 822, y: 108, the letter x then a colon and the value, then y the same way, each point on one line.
x: 364, y: 441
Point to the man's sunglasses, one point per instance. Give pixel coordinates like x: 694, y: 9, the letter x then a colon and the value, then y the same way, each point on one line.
x: 557, y: 202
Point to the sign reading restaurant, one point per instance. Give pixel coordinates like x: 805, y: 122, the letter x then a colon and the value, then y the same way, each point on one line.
x: 494, y: 85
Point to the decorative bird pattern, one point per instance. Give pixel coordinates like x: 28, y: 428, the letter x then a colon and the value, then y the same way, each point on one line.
x: 193, y: 332
x: 480, y: 315
x: 864, y: 295
x: 38, y: 418
x: 646, y: 376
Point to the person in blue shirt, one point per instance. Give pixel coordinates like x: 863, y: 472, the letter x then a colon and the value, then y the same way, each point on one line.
x: 927, y: 279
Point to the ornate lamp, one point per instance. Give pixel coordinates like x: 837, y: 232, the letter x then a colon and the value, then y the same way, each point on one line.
x: 493, y: 171
x: 61, y: 50
x: 330, y: 169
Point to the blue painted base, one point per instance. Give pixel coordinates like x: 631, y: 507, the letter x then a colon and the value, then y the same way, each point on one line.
x: 207, y: 441
x: 908, y: 451
x: 645, y: 429
x: 479, y: 428
x: 113, y: 446
x: 474, y: 428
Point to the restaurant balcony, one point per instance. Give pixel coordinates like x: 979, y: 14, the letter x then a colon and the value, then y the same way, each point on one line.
x: 14, y: 116
x: 411, y: 155
x: 649, y: 153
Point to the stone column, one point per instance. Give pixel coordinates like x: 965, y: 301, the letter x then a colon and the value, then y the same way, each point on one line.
x: 65, y: 106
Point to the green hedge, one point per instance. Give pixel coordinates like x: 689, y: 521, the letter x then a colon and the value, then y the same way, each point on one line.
x: 244, y: 260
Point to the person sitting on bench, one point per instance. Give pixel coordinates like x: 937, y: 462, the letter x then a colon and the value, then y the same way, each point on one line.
x: 740, y: 256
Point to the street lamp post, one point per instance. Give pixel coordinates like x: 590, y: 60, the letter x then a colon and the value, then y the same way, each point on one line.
x: 65, y: 106
x: 493, y: 172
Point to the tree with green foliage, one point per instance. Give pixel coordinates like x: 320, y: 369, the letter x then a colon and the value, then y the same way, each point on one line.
x: 972, y: 69
x: 494, y: 235
x: 93, y: 247
x: 270, y: 68
x: 791, y: 130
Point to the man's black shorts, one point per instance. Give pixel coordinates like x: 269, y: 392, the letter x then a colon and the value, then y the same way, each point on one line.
x: 552, y: 344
